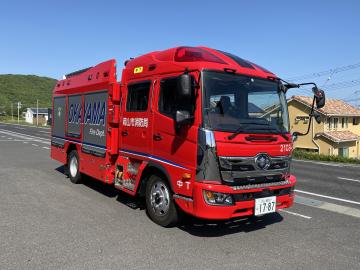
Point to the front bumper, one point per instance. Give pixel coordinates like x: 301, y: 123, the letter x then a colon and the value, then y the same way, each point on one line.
x: 199, y: 208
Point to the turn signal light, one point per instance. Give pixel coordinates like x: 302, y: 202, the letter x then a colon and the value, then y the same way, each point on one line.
x: 217, y: 198
x: 186, y: 176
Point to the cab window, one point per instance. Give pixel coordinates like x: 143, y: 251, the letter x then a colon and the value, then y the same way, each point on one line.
x: 138, y: 97
x: 167, y: 97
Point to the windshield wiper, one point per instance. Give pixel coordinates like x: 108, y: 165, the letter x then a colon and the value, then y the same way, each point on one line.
x: 269, y: 128
x: 241, y: 128
x: 279, y: 131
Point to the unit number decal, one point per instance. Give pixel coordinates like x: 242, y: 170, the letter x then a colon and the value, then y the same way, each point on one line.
x: 285, y: 148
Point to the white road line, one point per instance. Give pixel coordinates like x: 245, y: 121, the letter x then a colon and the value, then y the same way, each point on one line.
x: 10, y: 138
x: 340, y: 209
x: 47, y: 132
x: 13, y: 124
x: 46, y: 147
x: 328, y: 197
x: 25, y: 136
x: 3, y: 136
x: 25, y: 142
x: 295, y: 214
x: 13, y: 140
x: 34, y: 144
x: 349, y: 179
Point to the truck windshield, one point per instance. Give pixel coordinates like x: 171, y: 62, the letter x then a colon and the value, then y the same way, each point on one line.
x: 243, y: 104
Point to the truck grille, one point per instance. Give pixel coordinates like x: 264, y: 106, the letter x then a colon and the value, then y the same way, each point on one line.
x: 239, y: 197
x: 244, y: 170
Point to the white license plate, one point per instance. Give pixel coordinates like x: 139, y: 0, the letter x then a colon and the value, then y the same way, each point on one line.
x: 265, y: 205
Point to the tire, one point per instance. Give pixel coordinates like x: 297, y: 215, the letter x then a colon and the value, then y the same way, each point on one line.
x: 160, y: 206
x: 73, y: 167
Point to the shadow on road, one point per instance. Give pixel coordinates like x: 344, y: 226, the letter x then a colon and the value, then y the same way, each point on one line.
x: 191, y: 225
x: 109, y: 191
x: 209, y: 228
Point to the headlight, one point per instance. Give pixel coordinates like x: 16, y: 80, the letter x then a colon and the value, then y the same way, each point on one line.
x: 217, y: 198
x: 225, y: 163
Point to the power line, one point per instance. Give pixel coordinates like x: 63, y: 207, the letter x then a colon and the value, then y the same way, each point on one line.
x: 343, y: 84
x: 354, y: 97
x: 325, y: 72
x: 351, y: 100
x: 340, y: 85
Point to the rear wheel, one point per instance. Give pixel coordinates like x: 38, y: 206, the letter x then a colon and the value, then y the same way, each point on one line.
x: 159, y: 203
x: 73, y: 167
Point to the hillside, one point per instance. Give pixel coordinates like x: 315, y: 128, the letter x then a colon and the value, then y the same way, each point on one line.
x: 24, y: 88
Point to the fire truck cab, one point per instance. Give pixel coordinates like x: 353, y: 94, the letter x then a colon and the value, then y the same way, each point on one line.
x: 192, y: 129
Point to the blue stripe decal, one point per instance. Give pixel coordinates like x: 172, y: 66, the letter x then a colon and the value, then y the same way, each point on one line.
x: 75, y: 141
x: 128, y: 152
x: 152, y: 157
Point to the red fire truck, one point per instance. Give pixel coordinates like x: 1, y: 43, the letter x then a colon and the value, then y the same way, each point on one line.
x: 192, y: 129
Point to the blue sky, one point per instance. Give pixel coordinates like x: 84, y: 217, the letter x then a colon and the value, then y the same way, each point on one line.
x: 290, y: 38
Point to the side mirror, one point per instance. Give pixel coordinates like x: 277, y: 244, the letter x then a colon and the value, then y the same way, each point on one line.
x: 294, y: 136
x: 319, y: 97
x: 185, y: 86
x: 183, y: 118
x: 317, y: 117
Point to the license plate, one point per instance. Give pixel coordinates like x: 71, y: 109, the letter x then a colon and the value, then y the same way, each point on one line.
x: 265, y: 205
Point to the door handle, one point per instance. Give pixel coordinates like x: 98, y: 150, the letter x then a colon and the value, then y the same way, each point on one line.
x: 124, y: 133
x: 157, y: 137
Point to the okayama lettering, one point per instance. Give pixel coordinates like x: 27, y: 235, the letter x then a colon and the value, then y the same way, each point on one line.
x: 95, y: 113
x: 74, y: 114
x: 136, y: 122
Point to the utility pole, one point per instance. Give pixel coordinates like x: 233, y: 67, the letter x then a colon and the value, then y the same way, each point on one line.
x: 37, y: 112
x: 18, y: 107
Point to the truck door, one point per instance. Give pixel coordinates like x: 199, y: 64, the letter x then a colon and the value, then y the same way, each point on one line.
x: 136, y: 127
x: 175, y: 148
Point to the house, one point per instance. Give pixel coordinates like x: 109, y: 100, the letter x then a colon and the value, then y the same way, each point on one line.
x: 44, y: 115
x: 337, y: 134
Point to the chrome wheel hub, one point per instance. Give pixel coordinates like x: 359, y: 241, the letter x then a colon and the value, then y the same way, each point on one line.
x: 73, y: 167
x: 160, y: 198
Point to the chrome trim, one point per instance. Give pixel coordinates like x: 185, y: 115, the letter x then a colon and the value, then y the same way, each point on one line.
x: 281, y: 183
x: 210, y: 138
x: 252, y: 159
x: 177, y: 196
x: 207, y: 167
x: 229, y: 174
x: 256, y: 173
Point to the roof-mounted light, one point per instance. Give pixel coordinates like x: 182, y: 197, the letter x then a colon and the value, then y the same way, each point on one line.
x: 191, y: 54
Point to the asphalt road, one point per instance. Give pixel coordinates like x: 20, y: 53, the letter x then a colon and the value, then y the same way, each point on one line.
x: 48, y: 223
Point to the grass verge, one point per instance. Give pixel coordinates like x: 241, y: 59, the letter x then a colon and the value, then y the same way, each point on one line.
x: 301, y: 154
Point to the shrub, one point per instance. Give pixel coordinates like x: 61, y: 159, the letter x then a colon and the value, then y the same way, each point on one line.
x: 301, y: 154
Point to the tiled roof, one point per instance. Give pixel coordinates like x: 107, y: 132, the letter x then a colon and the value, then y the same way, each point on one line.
x: 339, y: 136
x: 336, y: 107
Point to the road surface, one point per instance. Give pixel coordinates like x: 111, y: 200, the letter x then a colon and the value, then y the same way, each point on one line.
x: 48, y: 223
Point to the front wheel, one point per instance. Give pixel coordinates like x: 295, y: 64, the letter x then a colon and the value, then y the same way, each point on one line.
x: 159, y: 203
